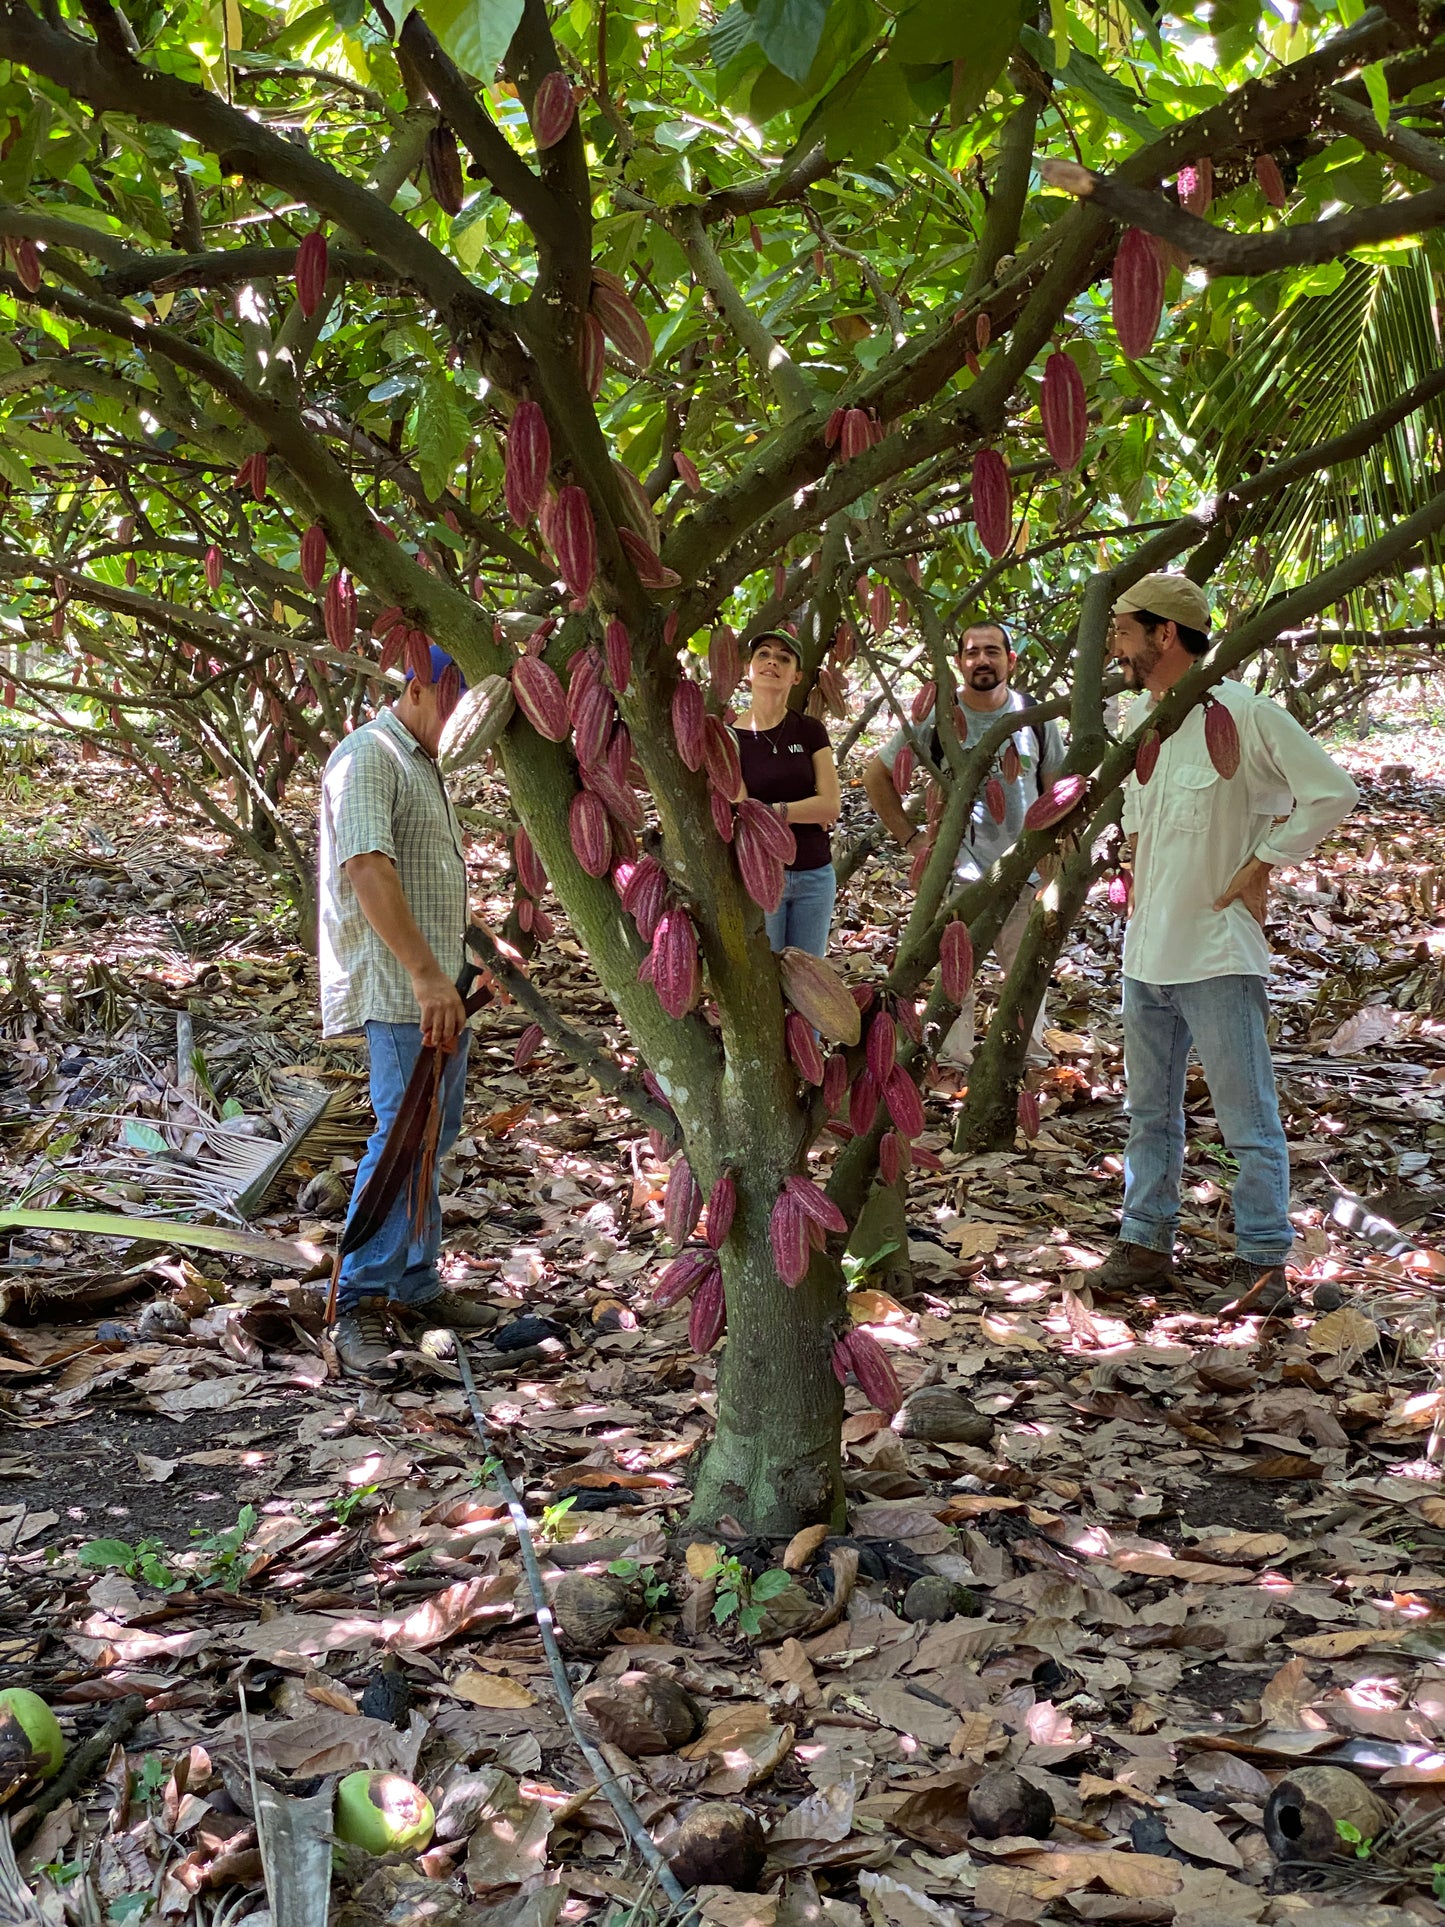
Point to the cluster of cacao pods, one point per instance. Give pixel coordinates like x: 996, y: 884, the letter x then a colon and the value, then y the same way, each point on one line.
x: 764, y: 846
x: 852, y: 431
x: 857, y: 1354
x: 531, y: 887
x: 801, y: 1219
x: 698, y: 1275
x: 252, y: 475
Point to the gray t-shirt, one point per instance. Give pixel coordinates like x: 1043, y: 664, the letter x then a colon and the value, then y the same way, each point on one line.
x: 986, y: 841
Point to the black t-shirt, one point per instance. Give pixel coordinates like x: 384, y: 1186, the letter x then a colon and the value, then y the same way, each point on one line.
x: 778, y: 768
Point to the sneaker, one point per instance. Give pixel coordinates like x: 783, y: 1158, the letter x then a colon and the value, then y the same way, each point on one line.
x: 1255, y: 1288
x: 363, y: 1342
x: 1130, y: 1267
x: 451, y: 1311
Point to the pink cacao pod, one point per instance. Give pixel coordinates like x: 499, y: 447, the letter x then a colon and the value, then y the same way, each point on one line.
x: 574, y: 540
x: 994, y: 800
x: 1064, y: 407
x: 681, y: 1204
x: 1147, y: 755
x: 591, y: 838
x: 856, y: 434
x: 863, y: 1103
x: 880, y: 607
x: 553, y: 109
x: 676, y: 969
x: 339, y: 612
x: 771, y: 832
x: 687, y: 469
x: 1271, y: 181
x: 681, y: 1277
x: 922, y: 704
x: 313, y: 556
x: 709, y: 1313
x: 526, y: 912
x: 875, y: 1375
x: 835, y: 1082
x: 905, y: 1106
x: 845, y: 644
x: 724, y: 663
x: 542, y: 925
x: 815, y: 1204
x: 529, y: 456
x: 689, y: 719
x: 213, y: 567
x: 803, y: 1048
x: 842, y: 1360
x: 27, y: 273
x: 1138, y: 292
x: 592, y: 354
x: 528, y: 1044
x: 618, y: 647
x: 311, y: 272
x: 788, y: 1232
x: 648, y: 905
x: 955, y: 961
x: 909, y: 1021
x: 1196, y: 186
x: 720, y: 755
x: 540, y: 697
x: 891, y: 1148
x: 1011, y: 766
x: 721, y: 1208
x: 919, y: 862
x: 651, y: 572
x: 833, y: 428
x: 764, y: 878
x: 1060, y: 799
x: 530, y: 874
x: 722, y: 814
x: 593, y: 714
x: 881, y: 1048
x: 1028, y: 1114
x: 621, y: 323
x: 992, y: 500
x: 1221, y: 738
x: 982, y: 330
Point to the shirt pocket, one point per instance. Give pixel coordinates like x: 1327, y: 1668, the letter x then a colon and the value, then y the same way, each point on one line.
x: 1188, y: 800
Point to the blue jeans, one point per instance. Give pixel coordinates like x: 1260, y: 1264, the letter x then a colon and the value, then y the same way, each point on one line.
x: 801, y: 920
x: 1226, y: 1019
x: 397, y: 1263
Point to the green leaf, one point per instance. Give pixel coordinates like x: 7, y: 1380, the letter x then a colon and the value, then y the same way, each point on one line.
x: 143, y: 1137
x: 1059, y: 28
x: 995, y: 33
x: 788, y: 31
x: 769, y: 1584
x: 1378, y: 88
x: 442, y: 431
x: 103, y: 1554
x: 476, y: 33
x: 731, y: 35
x: 936, y: 30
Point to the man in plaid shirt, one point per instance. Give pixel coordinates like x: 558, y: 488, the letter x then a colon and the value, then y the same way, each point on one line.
x: 393, y: 907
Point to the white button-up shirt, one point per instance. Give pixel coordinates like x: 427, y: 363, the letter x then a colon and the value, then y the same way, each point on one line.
x: 1195, y: 830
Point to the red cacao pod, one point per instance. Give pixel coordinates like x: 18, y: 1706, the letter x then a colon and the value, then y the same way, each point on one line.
x: 689, y: 719
x: 788, y: 1232
x: 1138, y: 292
x: 880, y: 607
x: 724, y: 663
x: 592, y: 354
x: 1064, y: 407
x: 1060, y: 799
x: 444, y: 169
x: 339, y: 612
x: 540, y: 697
x: 955, y: 961
x: 574, y: 540
x: 1196, y: 186
x: 648, y: 903
x: 845, y: 644
x: 530, y: 874
x: 919, y: 862
x: 593, y: 715
x: 856, y: 434
x: 992, y: 494
x: 1011, y: 767
x: 27, y: 265
x: 814, y: 1203
x: 862, y: 1103
x: 842, y: 1361
x: 553, y: 109
x: 1221, y: 738
x: 1147, y: 755
x: 833, y: 428
x: 311, y: 272
x: 891, y: 1148
x: 709, y: 1314
x: 803, y: 1048
x: 213, y: 567
x: 881, y: 1049
x: 1028, y: 1114
x: 651, y: 572
x: 769, y: 829
x: 417, y: 652
x: 875, y: 1374
x: 903, y: 769
x: 591, y: 836
x: 835, y: 1082
x: 720, y: 755
x: 905, y: 1106
x: 922, y: 705
x: 721, y: 1208
x: 1271, y: 181
x: 676, y: 969
x: 909, y: 1021
x: 528, y: 458
x: 618, y: 646
x: 681, y: 1204
x: 687, y: 469
x: 313, y: 556
x: 764, y: 877
x: 621, y: 323
x: 722, y: 814
x: 528, y: 1044
x: 681, y: 1277
x: 994, y: 800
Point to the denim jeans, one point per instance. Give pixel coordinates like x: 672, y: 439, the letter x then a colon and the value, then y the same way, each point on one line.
x: 1226, y: 1019
x: 801, y: 920
x: 397, y: 1263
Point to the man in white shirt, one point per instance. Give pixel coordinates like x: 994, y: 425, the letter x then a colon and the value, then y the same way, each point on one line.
x: 1195, y: 954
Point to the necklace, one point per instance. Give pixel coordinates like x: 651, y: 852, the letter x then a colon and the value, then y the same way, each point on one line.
x: 767, y: 734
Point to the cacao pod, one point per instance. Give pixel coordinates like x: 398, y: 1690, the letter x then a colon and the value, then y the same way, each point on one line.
x: 528, y: 1044
x: 681, y: 1277
x: 1147, y: 755
x: 992, y: 500
x: 875, y: 1374
x: 832, y: 686
x: 1028, y: 1114
x: 1196, y: 186
x: 540, y: 696
x: 591, y: 837
x: 770, y: 830
x: 903, y: 769
x: 593, y: 714
x: 1012, y: 768
x: 994, y: 800
x: 530, y: 874
x: 639, y: 506
x: 444, y: 169
x: 339, y: 611
x: 1064, y: 407
x: 842, y: 1362
x: 528, y: 458
x: 553, y: 109
x: 803, y: 1048
x: 313, y: 556
x: 862, y: 1103
x: 905, y: 1106
x: 311, y: 272
x: 1271, y: 181
x: 724, y: 663
x: 648, y: 903
x: 764, y: 877
x: 27, y: 269
x: 835, y: 1082
x: 833, y: 428
x: 845, y: 644
x: 919, y: 862
x: 882, y: 1045
x: 721, y: 1207
x: 621, y: 323
x: 1118, y: 892
x: 592, y: 353
x: 922, y: 705
x: 526, y: 912
x: 631, y: 885
x: 909, y: 1021
x: 681, y: 1204
x: 955, y: 961
x: 213, y: 567
x: 1221, y: 737
x: 890, y: 1156
x: 880, y: 607
x: 418, y: 656
x: 855, y: 435
x: 476, y: 724
x: 1138, y: 292
x: 687, y: 469
x: 449, y: 689
x: 1060, y: 799
x: 722, y: 814
x: 815, y: 1204
x: 618, y: 645
x: 788, y: 1232
x: 982, y: 329
x: 651, y: 572
x: 709, y: 1314
x: 689, y: 718
x: 817, y: 992
x: 574, y: 540
x: 720, y: 754
x: 676, y: 969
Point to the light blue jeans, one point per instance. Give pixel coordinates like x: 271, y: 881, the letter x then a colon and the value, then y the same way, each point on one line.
x: 397, y: 1263
x: 1226, y: 1020
x: 801, y: 921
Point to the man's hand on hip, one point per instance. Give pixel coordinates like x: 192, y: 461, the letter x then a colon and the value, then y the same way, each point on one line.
x: 1250, y: 886
x: 439, y: 1001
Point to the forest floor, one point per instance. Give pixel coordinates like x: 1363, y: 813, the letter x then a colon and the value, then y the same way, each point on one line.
x: 1193, y: 1553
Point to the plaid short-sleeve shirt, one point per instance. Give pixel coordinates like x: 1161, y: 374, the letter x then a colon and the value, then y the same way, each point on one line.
x: 382, y: 791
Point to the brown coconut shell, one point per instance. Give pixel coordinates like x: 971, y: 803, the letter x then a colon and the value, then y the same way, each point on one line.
x: 718, y: 1845
x: 1303, y: 1814
x: 644, y: 1714
x: 1003, y: 1805
x: 590, y: 1607
x: 943, y: 1417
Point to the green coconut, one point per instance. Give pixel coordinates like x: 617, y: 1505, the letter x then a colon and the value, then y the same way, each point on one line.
x: 39, y: 1725
x: 383, y: 1813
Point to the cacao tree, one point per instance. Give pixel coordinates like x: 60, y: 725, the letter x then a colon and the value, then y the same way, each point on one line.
x: 590, y: 341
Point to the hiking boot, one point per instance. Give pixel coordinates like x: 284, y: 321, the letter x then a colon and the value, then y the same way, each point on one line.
x: 1255, y: 1288
x: 363, y: 1342
x: 1130, y: 1268
x: 451, y: 1311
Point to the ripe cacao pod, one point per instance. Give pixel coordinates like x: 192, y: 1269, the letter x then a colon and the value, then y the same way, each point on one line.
x: 1196, y: 186
x: 444, y: 169
x: 417, y: 652
x: 764, y: 877
x: 903, y: 769
x: 832, y: 686
x: 213, y: 567
x: 530, y: 874
x: 1271, y: 181
x: 724, y: 663
x: 541, y: 697
x: 721, y: 1207
x: 994, y: 800
x: 833, y: 427
x: 687, y: 469
x: 528, y: 1044
x: 1064, y: 407
x: 845, y: 644
x: 1221, y: 737
x: 862, y: 1103
x: 27, y: 267
x: 621, y: 323
x: 770, y: 830
x: 835, y: 1082
x: 992, y: 500
x: 689, y: 718
x: 919, y: 862
x: 1010, y: 765
x: 817, y: 992
x: 681, y: 1277
x: 676, y: 969
x: 880, y: 607
x: 788, y: 1232
x: 574, y: 540
x: 1138, y: 292
x: 652, y: 573
x: 709, y: 1314
x: 1060, y: 799
x: 955, y: 961
x: 856, y: 434
x: 618, y: 646
x: 891, y: 1164
x: 528, y: 458
x: 681, y: 1204
x: 875, y: 1374
x: 553, y: 109
x: 905, y: 1106
x: 720, y: 754
x: 722, y: 814
x: 313, y: 556
x: 592, y: 354
x: 593, y: 714
x: 803, y: 1048
x: 648, y: 902
x: 882, y: 1045
x: 339, y: 611
x: 591, y: 836
x: 922, y: 704
x: 814, y: 1203
x: 842, y: 1362
x: 1028, y: 1114
x: 1147, y: 755
x: 311, y: 272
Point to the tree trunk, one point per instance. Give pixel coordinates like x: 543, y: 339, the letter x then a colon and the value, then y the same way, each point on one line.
x: 882, y: 1222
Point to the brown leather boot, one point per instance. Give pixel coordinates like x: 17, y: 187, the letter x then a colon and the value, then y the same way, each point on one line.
x: 1131, y: 1268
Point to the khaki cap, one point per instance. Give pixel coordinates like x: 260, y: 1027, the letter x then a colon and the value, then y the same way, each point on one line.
x: 1174, y: 597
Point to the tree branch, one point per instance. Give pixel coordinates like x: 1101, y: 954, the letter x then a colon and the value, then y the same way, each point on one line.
x: 790, y: 182
x: 773, y: 362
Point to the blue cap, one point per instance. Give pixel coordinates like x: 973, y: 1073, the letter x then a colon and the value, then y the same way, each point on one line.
x: 440, y: 660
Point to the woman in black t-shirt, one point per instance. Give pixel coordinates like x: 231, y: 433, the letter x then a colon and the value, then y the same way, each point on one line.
x: 788, y: 762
